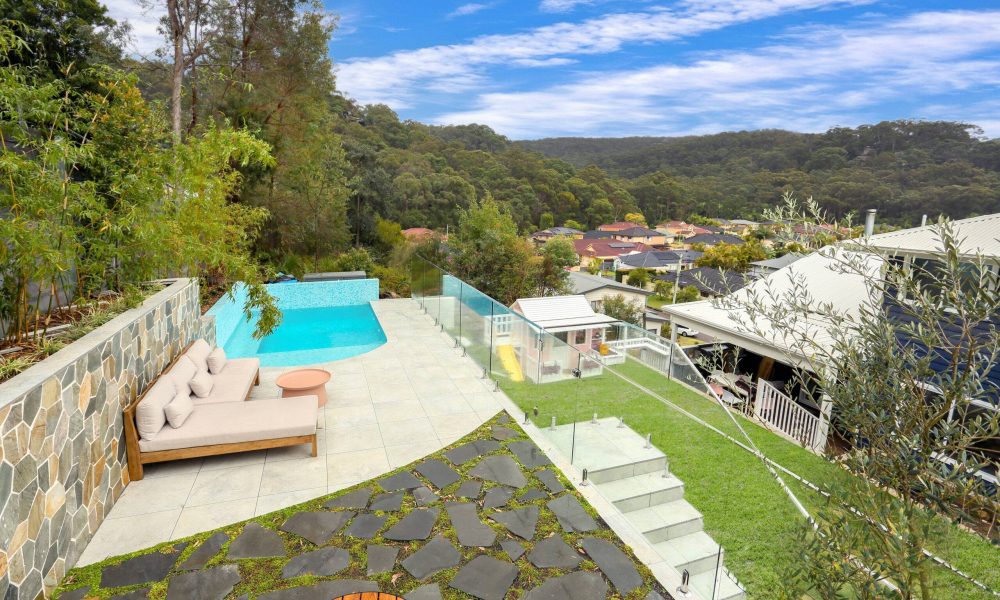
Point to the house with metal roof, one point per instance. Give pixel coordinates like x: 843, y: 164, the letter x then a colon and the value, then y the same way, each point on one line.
x: 577, y: 331
x: 540, y: 237
x: 712, y: 239
x: 658, y: 260
x: 644, y: 235
x: 709, y: 281
x: 603, y: 252
x: 763, y: 268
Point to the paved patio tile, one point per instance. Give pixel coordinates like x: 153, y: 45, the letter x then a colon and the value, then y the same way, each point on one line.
x: 387, y: 412
x: 154, y: 494
x: 226, y: 484
x: 408, y: 431
x: 291, y: 476
x: 460, y: 424
x: 127, y: 534
x: 172, y: 468
x: 195, y: 519
x: 446, y: 405
x: 407, y: 453
x: 228, y: 461
x: 356, y: 466
x: 350, y: 439
x: 359, y: 415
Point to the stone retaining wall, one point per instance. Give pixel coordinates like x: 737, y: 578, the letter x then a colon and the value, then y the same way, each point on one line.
x: 63, y: 453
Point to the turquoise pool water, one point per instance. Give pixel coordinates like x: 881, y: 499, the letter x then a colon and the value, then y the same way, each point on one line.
x: 322, y: 322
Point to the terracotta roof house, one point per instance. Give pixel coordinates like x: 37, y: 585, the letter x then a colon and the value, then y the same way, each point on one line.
x: 618, y: 226
x: 713, y: 239
x: 676, y: 228
x: 416, y: 234
x: 641, y: 234
x: 605, y: 251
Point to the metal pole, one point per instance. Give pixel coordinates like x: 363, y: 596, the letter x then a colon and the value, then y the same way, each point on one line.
x: 461, y: 286
x: 492, y: 325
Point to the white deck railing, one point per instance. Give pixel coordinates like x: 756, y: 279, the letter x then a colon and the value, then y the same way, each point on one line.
x: 783, y: 414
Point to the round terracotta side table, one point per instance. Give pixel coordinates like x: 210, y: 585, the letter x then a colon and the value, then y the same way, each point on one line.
x: 304, y: 382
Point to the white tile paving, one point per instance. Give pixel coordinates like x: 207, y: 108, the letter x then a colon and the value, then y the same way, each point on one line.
x: 388, y: 407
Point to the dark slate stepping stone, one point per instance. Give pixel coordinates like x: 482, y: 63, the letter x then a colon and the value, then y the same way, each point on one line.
x: 431, y: 591
x: 471, y: 450
x: 403, y: 480
x: 497, y: 497
x: 436, y: 555
x: 653, y: 596
x: 469, y: 489
x: 521, y: 522
x: 531, y: 495
x: 204, y: 553
x: 438, y: 473
x: 424, y: 496
x: 503, y: 433
x: 470, y: 530
x: 513, y: 549
x: 389, y: 501
x: 141, y: 569
x: 581, y: 585
x: 317, y: 527
x: 571, y: 515
x: 356, y: 499
x: 554, y: 552
x: 256, y: 542
x: 500, y: 469
x: 77, y: 594
x: 210, y: 584
x: 381, y: 559
x: 615, y: 564
x: 322, y: 591
x: 323, y: 563
x: 529, y: 454
x: 142, y: 594
x: 550, y: 480
x: 503, y: 418
x: 415, y: 526
x: 366, y: 526
x: 485, y: 577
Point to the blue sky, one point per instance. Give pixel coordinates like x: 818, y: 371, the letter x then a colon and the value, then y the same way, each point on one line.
x: 537, y: 68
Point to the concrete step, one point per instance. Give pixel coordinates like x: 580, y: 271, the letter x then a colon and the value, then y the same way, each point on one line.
x: 616, y: 472
x: 704, y: 583
x: 667, y: 521
x: 642, y: 491
x: 697, y: 552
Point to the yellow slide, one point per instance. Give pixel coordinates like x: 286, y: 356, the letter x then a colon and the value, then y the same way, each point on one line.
x: 509, y: 361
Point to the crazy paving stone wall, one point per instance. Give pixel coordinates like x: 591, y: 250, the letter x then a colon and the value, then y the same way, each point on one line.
x: 63, y: 453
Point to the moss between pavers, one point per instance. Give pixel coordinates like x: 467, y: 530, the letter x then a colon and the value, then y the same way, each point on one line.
x: 264, y: 575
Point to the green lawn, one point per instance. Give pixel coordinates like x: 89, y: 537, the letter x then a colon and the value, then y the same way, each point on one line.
x: 744, y: 508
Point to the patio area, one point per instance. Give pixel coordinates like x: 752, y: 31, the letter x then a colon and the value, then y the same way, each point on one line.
x: 402, y: 401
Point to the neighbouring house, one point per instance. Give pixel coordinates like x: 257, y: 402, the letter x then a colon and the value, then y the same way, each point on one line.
x: 576, y: 331
x: 597, y: 234
x: 712, y: 239
x: 677, y: 229
x: 654, y: 320
x: 761, y: 366
x: 763, y: 268
x: 597, y: 289
x: 643, y: 235
x: 709, y: 281
x: 540, y: 237
x: 603, y: 252
x: 618, y: 226
x: 659, y: 261
x: 738, y: 226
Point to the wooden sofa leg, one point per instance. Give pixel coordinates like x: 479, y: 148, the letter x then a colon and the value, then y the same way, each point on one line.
x: 315, y: 449
x: 256, y: 379
x: 135, y: 470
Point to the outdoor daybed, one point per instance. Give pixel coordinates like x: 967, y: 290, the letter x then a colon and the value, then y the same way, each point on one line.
x: 199, y: 406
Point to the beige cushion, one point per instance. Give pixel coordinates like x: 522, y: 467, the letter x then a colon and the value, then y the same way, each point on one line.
x: 216, y: 361
x: 182, y: 372
x: 179, y: 409
x: 201, y: 384
x: 198, y: 353
x: 234, y: 422
x: 149, y: 415
x: 233, y: 383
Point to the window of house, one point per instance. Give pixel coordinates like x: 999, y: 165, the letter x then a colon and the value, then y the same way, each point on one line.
x: 579, y: 336
x: 561, y: 336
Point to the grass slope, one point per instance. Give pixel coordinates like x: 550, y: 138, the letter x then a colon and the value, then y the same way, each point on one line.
x: 744, y: 509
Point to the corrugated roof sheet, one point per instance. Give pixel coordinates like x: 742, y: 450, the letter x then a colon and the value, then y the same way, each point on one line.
x: 585, y: 282
x: 560, y: 312
x: 977, y: 235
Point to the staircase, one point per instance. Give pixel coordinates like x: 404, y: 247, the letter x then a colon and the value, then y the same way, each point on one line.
x: 638, y: 482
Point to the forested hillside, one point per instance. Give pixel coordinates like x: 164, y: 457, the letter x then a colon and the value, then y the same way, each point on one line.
x: 902, y: 168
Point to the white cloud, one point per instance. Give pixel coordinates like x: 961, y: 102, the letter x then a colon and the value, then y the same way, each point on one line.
x: 144, y: 21
x: 468, y: 9
x: 400, y: 76
x: 558, y: 6
x: 810, y: 83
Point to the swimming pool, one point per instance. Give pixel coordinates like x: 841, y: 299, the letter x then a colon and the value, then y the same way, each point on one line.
x: 321, y: 322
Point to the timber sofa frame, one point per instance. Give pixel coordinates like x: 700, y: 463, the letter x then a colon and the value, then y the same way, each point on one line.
x: 137, y: 458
